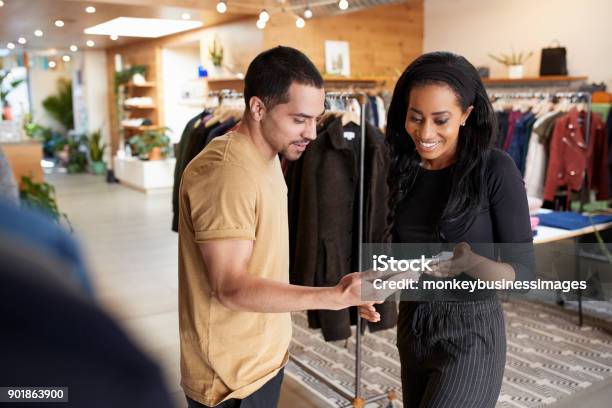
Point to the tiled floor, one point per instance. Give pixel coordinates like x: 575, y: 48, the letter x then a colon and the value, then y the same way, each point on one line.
x: 133, y: 256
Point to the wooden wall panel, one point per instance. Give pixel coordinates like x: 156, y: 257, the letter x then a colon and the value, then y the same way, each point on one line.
x: 383, y: 40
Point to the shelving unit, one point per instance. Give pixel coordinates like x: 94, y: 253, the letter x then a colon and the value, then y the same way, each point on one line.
x: 543, y: 81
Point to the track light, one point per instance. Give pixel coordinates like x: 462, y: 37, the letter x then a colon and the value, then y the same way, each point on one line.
x: 308, y: 13
x: 300, y: 23
x: 264, y: 16
x: 343, y: 4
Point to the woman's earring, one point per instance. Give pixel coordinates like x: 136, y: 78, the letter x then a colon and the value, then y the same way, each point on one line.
x: 463, y: 124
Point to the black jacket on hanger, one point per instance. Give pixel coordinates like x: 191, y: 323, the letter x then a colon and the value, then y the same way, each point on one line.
x: 194, y: 139
x: 323, y: 217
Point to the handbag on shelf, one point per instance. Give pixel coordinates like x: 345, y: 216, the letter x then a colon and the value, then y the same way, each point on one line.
x: 553, y: 60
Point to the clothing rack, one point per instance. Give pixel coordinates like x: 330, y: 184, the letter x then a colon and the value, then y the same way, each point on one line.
x: 573, y: 97
x: 332, y: 100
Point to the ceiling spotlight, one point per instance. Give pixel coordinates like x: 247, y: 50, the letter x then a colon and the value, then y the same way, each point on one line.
x: 1, y: 3
x: 10, y: 46
x: 66, y: 58
x: 186, y: 16
x: 74, y: 48
x: 264, y: 16
x: 22, y: 40
x: 308, y: 13
x: 38, y: 33
x: 343, y: 4
x: 52, y: 64
x: 90, y: 43
x: 261, y: 24
x: 90, y: 10
x: 114, y: 37
x: 300, y: 23
x: 221, y: 6
x: 59, y: 23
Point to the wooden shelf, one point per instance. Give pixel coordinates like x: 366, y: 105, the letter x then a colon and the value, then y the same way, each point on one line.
x: 139, y: 106
x: 143, y: 85
x: 533, y: 80
x: 376, y: 79
x: 140, y: 128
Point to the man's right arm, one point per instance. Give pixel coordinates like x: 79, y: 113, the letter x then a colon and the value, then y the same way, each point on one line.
x: 226, y: 264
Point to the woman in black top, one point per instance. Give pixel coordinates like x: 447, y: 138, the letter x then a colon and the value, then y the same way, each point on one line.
x: 449, y: 185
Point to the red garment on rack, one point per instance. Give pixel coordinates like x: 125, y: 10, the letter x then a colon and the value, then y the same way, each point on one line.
x: 570, y: 157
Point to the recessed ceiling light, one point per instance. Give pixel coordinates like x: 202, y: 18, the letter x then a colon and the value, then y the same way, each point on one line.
x: 186, y: 16
x: 10, y: 46
x: 90, y: 43
x: 142, y: 27
x: 221, y: 6
x: 1, y: 3
x: 22, y: 40
x: 261, y: 24
x: 343, y: 4
x: 114, y: 37
x: 90, y: 10
x: 74, y: 48
x: 264, y: 16
x: 59, y: 23
x: 38, y: 33
x: 300, y: 23
x: 66, y: 58
x: 52, y: 64
x: 308, y: 13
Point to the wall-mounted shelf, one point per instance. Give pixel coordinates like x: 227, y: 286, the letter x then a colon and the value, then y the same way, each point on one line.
x: 140, y: 128
x: 540, y: 81
x: 142, y: 85
x: 139, y: 106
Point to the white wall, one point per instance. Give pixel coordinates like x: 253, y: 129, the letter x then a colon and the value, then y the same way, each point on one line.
x: 90, y: 97
x: 180, y: 73
x: 474, y: 28
x: 241, y: 42
x: 43, y: 84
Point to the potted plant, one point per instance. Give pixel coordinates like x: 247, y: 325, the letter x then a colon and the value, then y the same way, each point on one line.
x: 96, y: 153
x: 59, y: 106
x: 41, y: 197
x: 152, y: 144
x: 515, y: 63
x: 77, y: 154
x: 5, y: 90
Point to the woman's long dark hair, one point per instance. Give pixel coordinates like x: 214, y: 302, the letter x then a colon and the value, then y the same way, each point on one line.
x: 473, y: 147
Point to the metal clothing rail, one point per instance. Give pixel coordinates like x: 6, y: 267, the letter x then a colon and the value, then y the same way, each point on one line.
x: 356, y: 400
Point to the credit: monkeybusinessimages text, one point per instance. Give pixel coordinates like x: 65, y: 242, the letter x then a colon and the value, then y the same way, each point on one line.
x: 384, y: 263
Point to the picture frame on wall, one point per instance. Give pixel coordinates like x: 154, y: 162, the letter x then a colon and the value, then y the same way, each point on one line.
x: 337, y: 58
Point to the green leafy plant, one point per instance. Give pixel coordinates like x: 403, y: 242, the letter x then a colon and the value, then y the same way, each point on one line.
x: 215, y: 50
x: 77, y: 154
x: 96, y: 147
x: 41, y: 197
x: 125, y: 76
x: 143, y: 144
x: 59, y: 106
x: 513, y: 58
x: 7, y: 86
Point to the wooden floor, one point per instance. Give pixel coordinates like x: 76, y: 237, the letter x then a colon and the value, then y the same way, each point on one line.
x: 132, y: 254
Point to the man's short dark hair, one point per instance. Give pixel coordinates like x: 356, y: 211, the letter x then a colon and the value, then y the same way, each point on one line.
x: 272, y: 72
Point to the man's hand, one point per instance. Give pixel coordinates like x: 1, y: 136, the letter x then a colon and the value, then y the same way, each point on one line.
x: 369, y: 313
x: 349, y: 290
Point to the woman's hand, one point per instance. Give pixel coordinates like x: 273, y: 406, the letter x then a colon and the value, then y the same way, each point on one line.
x: 463, y: 260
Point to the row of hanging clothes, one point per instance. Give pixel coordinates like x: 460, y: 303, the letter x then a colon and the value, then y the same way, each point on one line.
x: 222, y: 112
x: 555, y: 140
x: 323, y: 188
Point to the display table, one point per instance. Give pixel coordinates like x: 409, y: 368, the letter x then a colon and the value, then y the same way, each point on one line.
x: 145, y: 176
x: 24, y: 159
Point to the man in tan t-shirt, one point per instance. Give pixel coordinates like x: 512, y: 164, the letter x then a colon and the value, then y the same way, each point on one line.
x: 234, y: 291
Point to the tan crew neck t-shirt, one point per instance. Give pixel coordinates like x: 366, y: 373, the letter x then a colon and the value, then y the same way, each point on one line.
x: 230, y: 191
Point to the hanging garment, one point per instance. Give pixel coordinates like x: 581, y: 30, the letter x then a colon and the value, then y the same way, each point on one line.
x: 323, y: 216
x: 181, y: 164
x: 502, y: 121
x: 609, y: 131
x: 195, y: 138
x: 570, y: 156
x: 382, y: 113
x: 537, y: 156
x: 513, y: 117
x: 520, y: 139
